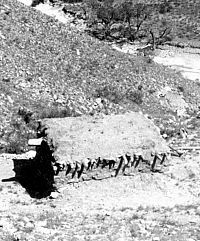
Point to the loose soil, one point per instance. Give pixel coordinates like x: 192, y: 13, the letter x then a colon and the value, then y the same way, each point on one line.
x: 146, y: 206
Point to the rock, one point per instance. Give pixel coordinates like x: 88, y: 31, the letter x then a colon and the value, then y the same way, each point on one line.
x: 173, y: 100
x: 78, y: 52
x: 55, y: 97
x: 99, y: 102
x: 29, y: 225
x: 54, y: 195
x: 165, y: 136
x: 41, y: 223
x: 26, y: 220
x: 117, y: 26
x: 164, y: 91
x: 156, y: 239
x: 2, y: 36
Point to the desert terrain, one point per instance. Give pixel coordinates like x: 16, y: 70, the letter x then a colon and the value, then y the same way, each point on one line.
x: 57, y: 70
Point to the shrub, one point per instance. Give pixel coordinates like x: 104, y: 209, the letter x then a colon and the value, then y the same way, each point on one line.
x: 24, y: 125
x: 106, y: 13
x: 14, y: 147
x: 25, y: 114
x: 165, y: 7
x: 110, y: 93
x: 18, y: 135
x: 139, y: 20
x: 55, y: 112
x: 36, y: 2
x: 135, y: 96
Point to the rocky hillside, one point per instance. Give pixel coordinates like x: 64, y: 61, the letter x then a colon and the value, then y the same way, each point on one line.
x: 48, y: 69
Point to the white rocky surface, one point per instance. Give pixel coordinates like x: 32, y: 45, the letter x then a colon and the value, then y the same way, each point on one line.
x: 186, y: 61
x: 57, y: 13
x: 26, y: 2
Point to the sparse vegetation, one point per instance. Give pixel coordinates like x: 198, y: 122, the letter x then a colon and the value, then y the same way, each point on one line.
x: 136, y: 96
x: 78, y: 80
x: 23, y: 126
x: 47, y: 71
x: 18, y: 135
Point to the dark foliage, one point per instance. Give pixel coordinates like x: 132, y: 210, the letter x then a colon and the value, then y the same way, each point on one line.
x: 36, y: 2
x: 129, y: 20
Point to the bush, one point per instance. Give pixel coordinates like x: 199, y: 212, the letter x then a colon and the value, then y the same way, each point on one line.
x: 36, y: 2
x: 24, y: 125
x: 25, y: 114
x: 55, y: 112
x: 110, y: 93
x: 118, y: 95
x: 106, y: 13
x: 136, y: 96
x: 165, y: 7
x: 18, y: 135
x: 138, y: 20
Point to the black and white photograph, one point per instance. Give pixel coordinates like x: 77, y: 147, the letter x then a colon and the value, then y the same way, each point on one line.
x: 99, y: 120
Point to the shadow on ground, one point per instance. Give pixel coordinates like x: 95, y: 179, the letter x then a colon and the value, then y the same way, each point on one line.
x: 36, y: 175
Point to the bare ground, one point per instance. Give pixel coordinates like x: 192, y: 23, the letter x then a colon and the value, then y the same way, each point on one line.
x: 184, y: 60
x: 146, y: 206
